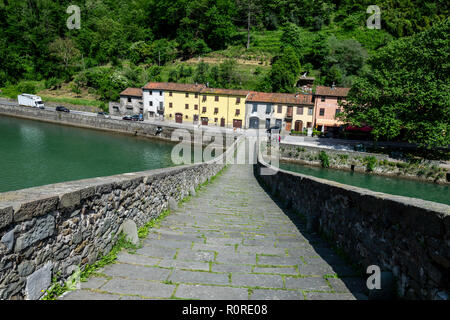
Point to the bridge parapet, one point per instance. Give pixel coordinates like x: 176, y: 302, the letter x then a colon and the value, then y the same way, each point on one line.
x: 406, y: 236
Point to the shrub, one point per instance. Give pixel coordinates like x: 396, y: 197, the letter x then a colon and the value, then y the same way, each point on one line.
x: 370, y: 163
x: 324, y: 160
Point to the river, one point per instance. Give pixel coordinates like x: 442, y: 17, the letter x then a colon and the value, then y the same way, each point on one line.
x: 396, y: 186
x: 34, y: 153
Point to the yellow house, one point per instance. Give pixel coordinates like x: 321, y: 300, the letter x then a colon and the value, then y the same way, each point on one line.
x: 223, y: 107
x: 180, y: 102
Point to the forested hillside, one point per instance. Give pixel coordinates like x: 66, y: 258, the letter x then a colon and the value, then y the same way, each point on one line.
x: 244, y: 43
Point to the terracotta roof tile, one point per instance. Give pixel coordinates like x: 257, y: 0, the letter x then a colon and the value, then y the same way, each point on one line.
x: 232, y: 92
x: 134, y: 92
x: 171, y: 86
x: 334, y: 92
x: 281, y: 98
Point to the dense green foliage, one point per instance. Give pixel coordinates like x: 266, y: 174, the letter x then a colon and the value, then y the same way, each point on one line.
x: 405, y: 91
x: 399, y: 73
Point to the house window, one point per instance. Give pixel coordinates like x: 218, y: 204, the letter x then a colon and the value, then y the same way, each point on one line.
x: 204, y: 98
x: 186, y: 106
x: 160, y: 105
x: 268, y: 109
x: 196, y: 95
x: 255, y: 108
x: 215, y: 119
x: 204, y: 109
x: 322, y: 112
x: 160, y: 93
x: 195, y: 106
x: 216, y: 110
x: 309, y: 124
x: 310, y: 111
x: 299, y: 110
x: 238, y: 100
x: 170, y: 93
x: 150, y: 92
x: 170, y: 104
x: 280, y: 109
x: 216, y: 98
x: 129, y: 99
x: 187, y: 117
x: 151, y: 103
x: 322, y: 99
x: 187, y: 94
x: 238, y: 112
x: 337, y: 111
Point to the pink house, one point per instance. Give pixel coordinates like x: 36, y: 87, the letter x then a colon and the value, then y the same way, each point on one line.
x: 326, y: 107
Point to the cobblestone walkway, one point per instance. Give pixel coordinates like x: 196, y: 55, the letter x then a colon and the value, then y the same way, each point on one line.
x: 230, y: 241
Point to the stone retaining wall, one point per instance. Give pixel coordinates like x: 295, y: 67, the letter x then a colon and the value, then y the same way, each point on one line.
x: 427, y: 170
x: 46, y: 231
x: 408, y: 237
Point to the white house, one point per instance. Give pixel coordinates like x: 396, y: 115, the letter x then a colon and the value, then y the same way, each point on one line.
x: 153, y: 98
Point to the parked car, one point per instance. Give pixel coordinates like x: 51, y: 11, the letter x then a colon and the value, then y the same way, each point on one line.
x: 137, y: 117
x: 128, y: 118
x: 104, y: 115
x: 62, y: 109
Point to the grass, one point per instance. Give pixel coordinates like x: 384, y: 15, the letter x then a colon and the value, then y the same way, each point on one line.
x: 75, y: 101
x: 57, y: 289
x: 145, y: 229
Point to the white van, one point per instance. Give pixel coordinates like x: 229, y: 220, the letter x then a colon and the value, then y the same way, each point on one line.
x: 30, y: 100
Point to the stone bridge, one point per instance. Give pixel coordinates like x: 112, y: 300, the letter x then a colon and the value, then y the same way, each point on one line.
x: 230, y: 241
x: 243, y: 235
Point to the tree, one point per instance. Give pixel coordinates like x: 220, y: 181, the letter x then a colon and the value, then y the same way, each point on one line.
x: 65, y: 50
x: 201, y: 73
x: 250, y: 9
x: 285, y: 71
x: 406, y: 90
x: 345, y: 59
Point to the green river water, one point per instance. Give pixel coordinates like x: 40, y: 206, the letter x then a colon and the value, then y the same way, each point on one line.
x: 35, y: 153
x: 401, y: 187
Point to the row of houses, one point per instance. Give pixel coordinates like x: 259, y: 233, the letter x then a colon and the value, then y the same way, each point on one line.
x: 196, y: 103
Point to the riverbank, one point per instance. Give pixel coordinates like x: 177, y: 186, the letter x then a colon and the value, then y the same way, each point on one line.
x: 368, y: 163
x: 158, y: 131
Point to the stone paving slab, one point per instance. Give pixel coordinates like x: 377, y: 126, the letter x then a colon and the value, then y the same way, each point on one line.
x: 89, y: 295
x: 230, y: 241
x: 211, y: 293
x: 257, y: 280
x: 266, y: 294
x: 307, y: 284
x: 137, y: 272
x: 183, y: 276
x: 150, y: 289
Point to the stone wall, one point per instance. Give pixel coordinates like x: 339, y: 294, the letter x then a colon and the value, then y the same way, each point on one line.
x: 408, y: 237
x: 425, y: 170
x: 79, y: 120
x: 47, y: 231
